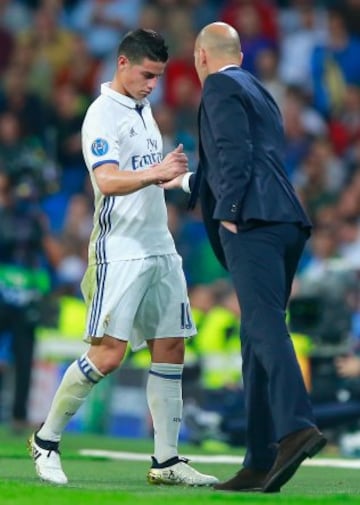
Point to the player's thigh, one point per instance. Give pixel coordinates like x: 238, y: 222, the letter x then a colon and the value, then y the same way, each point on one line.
x: 113, y: 293
x: 165, y: 310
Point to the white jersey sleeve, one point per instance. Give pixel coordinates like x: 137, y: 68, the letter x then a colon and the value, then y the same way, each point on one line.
x: 100, y: 138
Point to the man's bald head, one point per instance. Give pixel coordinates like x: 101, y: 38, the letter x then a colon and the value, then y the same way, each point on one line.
x: 219, y: 39
x: 216, y: 46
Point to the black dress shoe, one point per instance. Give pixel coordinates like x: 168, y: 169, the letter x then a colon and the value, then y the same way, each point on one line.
x: 246, y: 480
x: 292, y: 451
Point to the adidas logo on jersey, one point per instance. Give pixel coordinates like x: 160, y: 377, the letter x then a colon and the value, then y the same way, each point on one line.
x: 132, y: 132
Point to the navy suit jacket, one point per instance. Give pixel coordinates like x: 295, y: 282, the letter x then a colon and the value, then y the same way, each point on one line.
x: 241, y: 176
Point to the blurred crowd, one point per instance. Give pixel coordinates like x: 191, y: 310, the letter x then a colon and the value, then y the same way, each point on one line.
x: 53, y: 56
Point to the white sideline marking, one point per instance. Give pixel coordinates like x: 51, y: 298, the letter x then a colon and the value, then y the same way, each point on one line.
x: 227, y: 459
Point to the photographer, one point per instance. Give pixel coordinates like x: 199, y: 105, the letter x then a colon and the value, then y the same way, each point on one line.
x: 22, y: 285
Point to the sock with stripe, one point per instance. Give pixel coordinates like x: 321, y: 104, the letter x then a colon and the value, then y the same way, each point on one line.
x: 76, y: 384
x: 164, y: 397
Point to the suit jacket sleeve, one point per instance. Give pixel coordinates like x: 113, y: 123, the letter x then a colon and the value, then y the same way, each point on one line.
x: 230, y: 131
x: 192, y: 181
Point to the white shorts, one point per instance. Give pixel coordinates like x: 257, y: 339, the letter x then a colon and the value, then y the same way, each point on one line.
x: 137, y: 300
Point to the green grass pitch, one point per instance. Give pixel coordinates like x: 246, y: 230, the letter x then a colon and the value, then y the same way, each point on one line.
x: 95, y: 481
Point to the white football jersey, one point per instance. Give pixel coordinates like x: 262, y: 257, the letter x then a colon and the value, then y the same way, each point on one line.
x: 118, y: 129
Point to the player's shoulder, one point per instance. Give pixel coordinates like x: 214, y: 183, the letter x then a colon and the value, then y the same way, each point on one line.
x: 98, y: 107
x: 98, y: 113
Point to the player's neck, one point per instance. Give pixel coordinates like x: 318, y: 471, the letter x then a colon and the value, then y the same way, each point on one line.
x: 116, y: 85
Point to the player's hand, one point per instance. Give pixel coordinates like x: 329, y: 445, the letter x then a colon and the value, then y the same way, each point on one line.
x: 174, y: 164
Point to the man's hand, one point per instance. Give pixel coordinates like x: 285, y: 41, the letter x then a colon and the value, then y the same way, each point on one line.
x: 232, y: 227
x: 348, y: 366
x: 173, y: 165
x: 173, y: 184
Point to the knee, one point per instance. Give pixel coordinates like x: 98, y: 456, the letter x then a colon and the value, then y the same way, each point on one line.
x: 107, y: 358
x: 107, y: 363
x: 177, y: 352
x: 168, y: 350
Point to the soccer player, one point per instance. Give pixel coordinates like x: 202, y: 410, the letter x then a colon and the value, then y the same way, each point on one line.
x: 134, y: 287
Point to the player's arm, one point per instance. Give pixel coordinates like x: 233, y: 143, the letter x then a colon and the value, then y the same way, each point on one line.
x: 114, y: 182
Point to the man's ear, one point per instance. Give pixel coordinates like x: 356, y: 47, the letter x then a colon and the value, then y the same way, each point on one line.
x: 122, y: 61
x: 203, y: 56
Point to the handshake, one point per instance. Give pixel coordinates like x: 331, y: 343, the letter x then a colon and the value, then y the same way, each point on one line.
x: 170, y: 172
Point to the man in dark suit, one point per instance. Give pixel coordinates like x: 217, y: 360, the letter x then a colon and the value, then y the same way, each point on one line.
x: 258, y: 230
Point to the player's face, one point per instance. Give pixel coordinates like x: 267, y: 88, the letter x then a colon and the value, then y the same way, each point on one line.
x: 137, y: 80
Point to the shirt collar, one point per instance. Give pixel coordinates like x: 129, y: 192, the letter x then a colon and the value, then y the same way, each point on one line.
x: 228, y: 66
x: 120, y: 98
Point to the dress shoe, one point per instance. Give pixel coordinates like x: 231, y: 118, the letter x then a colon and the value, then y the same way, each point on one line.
x: 246, y: 480
x: 292, y: 451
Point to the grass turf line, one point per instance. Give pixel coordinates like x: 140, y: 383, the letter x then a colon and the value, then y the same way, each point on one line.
x: 94, y: 481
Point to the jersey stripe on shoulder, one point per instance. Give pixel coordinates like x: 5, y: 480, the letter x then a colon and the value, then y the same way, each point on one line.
x: 102, y: 162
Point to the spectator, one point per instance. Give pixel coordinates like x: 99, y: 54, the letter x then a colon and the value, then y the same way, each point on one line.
x: 203, y: 12
x: 348, y: 203
x: 78, y: 218
x: 68, y: 113
x: 24, y: 159
x: 349, y: 236
x: 6, y: 48
x: 103, y: 22
x: 247, y: 22
x: 297, y: 46
x: 22, y: 286
x: 30, y: 109
x: 324, y: 249
x: 177, y: 24
x: 268, y: 72
x: 265, y: 12
x: 82, y: 71
x: 334, y: 65
x: 70, y: 260
x: 290, y: 16
x: 218, y: 344
x: 174, y: 133
x: 200, y: 263
x: 52, y: 46
x: 182, y: 86
x: 152, y: 17
x: 321, y: 176
x: 165, y: 119
x: 353, y: 158
x: 351, y: 10
x: 297, y: 137
x: 15, y: 15
x: 344, y: 128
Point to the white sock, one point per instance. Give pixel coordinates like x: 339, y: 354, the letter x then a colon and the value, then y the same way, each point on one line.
x: 164, y: 397
x: 74, y: 388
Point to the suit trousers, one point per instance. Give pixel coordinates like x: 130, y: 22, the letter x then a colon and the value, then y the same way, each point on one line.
x: 262, y: 262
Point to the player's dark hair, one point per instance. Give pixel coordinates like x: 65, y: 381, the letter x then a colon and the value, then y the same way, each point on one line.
x: 141, y: 43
